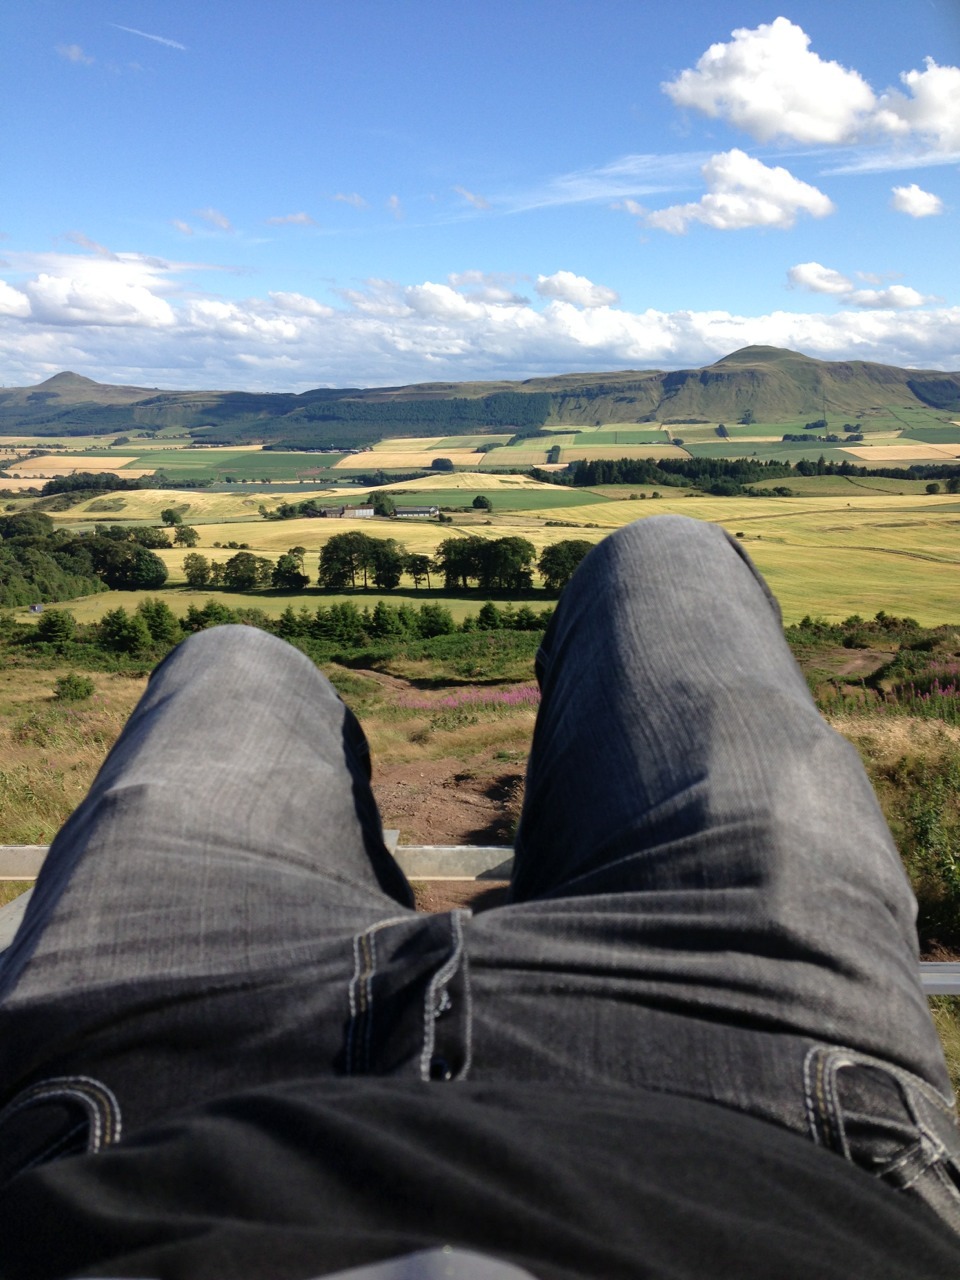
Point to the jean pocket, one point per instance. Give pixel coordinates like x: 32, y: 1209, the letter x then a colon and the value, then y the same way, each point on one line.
x: 888, y: 1122
x: 62, y: 1116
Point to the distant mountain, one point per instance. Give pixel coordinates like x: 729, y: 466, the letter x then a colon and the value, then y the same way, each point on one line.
x: 777, y: 385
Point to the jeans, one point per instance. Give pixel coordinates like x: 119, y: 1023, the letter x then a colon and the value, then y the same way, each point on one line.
x: 706, y: 900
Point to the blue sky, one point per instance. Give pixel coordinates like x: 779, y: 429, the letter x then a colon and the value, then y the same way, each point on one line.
x: 312, y: 193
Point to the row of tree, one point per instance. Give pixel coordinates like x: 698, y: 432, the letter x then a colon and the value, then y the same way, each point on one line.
x: 152, y: 628
x: 353, y: 560
x: 722, y: 477
x: 464, y: 563
x: 39, y: 562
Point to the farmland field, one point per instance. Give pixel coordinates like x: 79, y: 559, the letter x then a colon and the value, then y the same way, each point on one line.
x: 502, y: 499
x: 408, y: 459
x: 653, y: 449
x: 846, y: 546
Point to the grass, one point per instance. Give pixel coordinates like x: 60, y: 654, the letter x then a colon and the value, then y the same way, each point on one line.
x: 841, y: 546
x: 10, y: 889
x: 51, y: 751
x: 503, y: 498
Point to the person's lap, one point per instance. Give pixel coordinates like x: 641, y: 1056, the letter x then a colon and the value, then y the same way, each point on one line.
x: 704, y: 889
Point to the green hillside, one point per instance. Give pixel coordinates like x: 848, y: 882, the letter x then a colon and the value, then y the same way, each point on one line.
x: 774, y: 385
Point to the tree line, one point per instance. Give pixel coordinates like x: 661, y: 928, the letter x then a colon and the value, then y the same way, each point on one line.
x: 152, y: 628
x: 39, y: 562
x: 723, y: 477
x: 354, y: 560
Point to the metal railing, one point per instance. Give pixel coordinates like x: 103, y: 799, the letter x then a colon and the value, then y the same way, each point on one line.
x: 418, y: 862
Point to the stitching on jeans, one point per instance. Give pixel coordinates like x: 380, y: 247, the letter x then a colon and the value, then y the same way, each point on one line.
x: 439, y: 980
x: 906, y: 1158
x: 467, y: 1005
x: 822, y: 1103
x: 360, y: 994
x: 99, y: 1102
x: 371, y: 973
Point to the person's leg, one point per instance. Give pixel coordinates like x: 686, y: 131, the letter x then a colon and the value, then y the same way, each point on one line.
x: 193, y: 923
x: 704, y: 890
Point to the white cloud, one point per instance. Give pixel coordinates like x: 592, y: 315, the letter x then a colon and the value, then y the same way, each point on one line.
x: 930, y: 110
x: 74, y: 53
x: 627, y: 176
x: 84, y: 242
x: 896, y: 297
x: 744, y: 192
x: 300, y: 305
x: 488, y: 286
x: 184, y: 228
x: 171, y: 44
x: 13, y: 302
x: 352, y: 198
x: 215, y: 218
x: 564, y: 286
x: 819, y: 279
x: 635, y: 209
x: 767, y: 82
x: 916, y: 202
x: 395, y: 207
x: 149, y: 324
x: 123, y: 290
x: 478, y: 202
x: 293, y: 220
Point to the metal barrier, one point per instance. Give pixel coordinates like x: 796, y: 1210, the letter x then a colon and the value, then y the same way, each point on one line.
x: 418, y: 862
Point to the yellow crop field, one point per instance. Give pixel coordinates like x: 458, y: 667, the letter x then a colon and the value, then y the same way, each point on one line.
x: 195, y: 505
x: 880, y: 453
x: 63, y: 464
x: 466, y: 480
x: 516, y: 456
x: 77, y: 462
x: 384, y: 457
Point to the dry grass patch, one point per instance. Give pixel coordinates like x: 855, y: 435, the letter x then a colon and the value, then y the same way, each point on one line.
x: 10, y: 889
x: 52, y: 751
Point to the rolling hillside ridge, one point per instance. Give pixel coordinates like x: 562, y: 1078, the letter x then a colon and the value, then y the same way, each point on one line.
x: 774, y: 384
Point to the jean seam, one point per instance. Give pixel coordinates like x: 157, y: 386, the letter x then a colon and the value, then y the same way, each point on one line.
x: 928, y: 1154
x: 360, y: 996
x: 437, y: 983
x: 821, y: 1104
x: 98, y: 1101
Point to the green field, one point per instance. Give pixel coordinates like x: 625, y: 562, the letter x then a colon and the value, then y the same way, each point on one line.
x: 459, y: 442
x: 612, y: 435
x: 781, y: 452
x: 528, y: 499
x: 245, y: 464
x: 934, y: 435
x: 845, y: 546
x: 836, y: 486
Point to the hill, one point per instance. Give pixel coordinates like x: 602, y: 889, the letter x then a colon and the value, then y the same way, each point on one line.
x: 774, y: 384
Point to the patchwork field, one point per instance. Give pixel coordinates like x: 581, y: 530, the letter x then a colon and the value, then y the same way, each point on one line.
x: 654, y: 449
x: 878, y: 454
x: 61, y: 464
x: 385, y: 457
x: 837, y: 550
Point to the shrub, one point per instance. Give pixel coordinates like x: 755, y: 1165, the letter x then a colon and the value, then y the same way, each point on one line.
x: 73, y: 688
x: 56, y: 626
